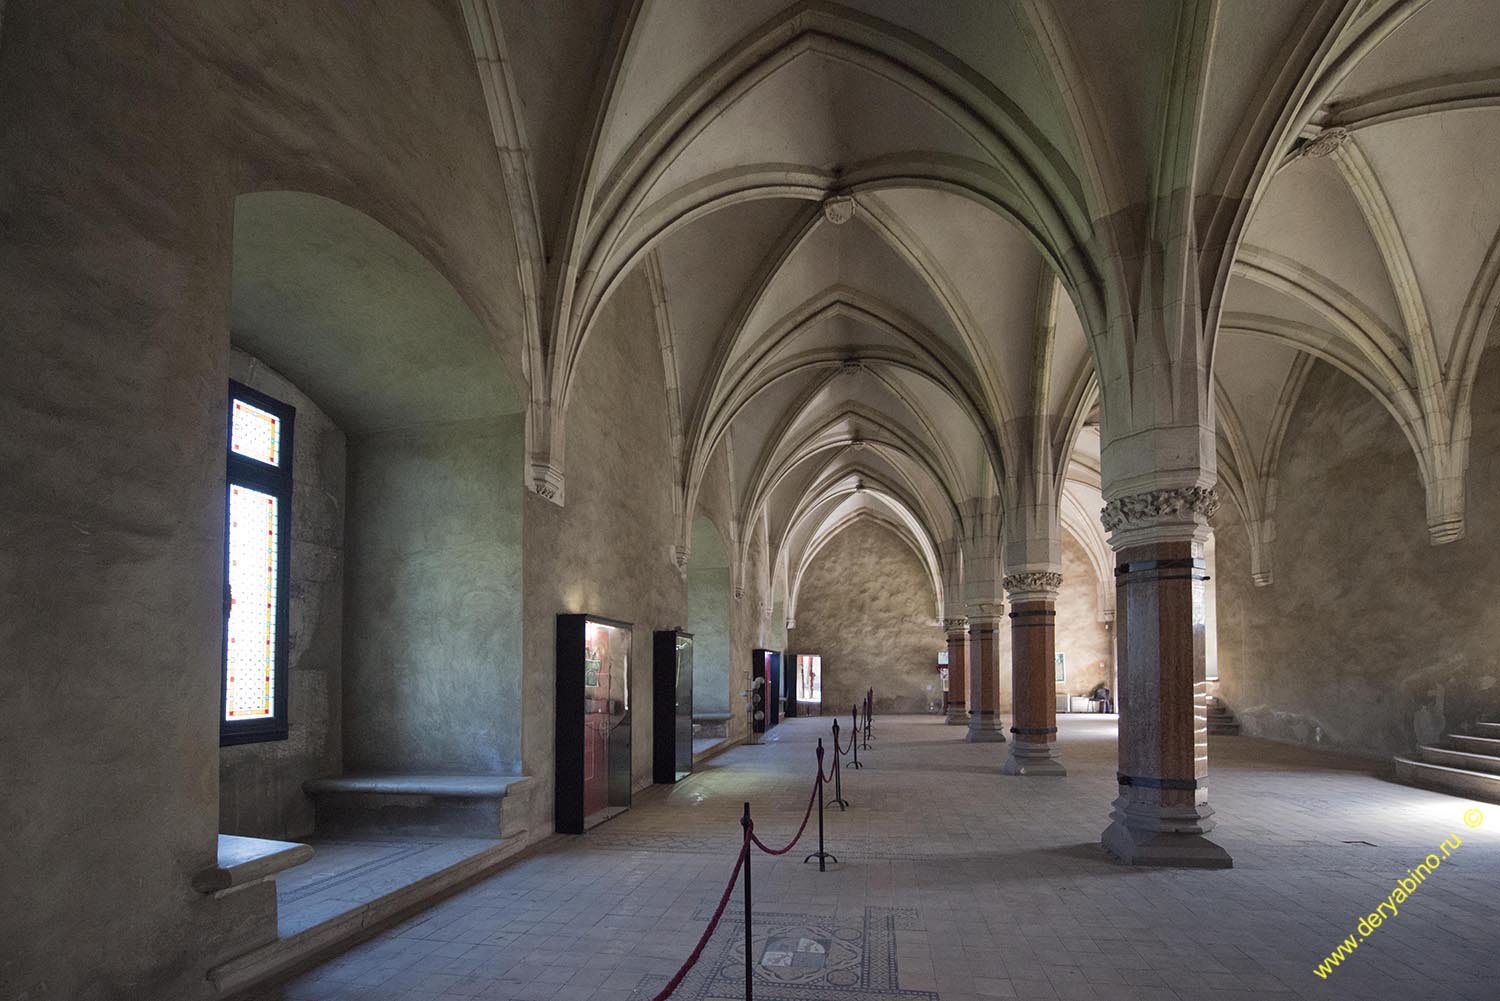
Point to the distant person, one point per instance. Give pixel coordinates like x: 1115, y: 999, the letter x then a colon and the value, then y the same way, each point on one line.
x: 1101, y: 695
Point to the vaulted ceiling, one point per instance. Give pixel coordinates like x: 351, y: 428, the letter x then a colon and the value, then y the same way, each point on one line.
x: 861, y: 224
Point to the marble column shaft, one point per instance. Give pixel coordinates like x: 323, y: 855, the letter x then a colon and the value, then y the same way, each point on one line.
x: 984, y: 685
x: 1033, y: 619
x: 958, y: 677
x: 1162, y: 814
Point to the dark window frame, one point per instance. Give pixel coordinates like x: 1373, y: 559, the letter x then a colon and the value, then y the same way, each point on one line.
x: 242, y: 470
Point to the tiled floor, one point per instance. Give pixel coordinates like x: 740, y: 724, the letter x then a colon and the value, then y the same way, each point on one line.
x: 345, y: 873
x: 958, y: 883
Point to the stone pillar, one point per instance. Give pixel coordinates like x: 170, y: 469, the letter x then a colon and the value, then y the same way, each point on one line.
x: 958, y: 676
x: 1033, y: 631
x: 1162, y: 816
x: 984, y: 685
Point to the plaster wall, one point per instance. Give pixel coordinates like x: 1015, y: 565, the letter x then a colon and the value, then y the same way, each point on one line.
x: 866, y: 607
x: 1086, y: 643
x: 709, y: 601
x: 1370, y: 640
x: 432, y: 665
x: 127, y: 128
x: 260, y: 785
x: 608, y: 550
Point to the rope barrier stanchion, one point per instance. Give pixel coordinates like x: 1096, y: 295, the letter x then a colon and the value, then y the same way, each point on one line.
x: 742, y: 863
x: 749, y: 962
x: 821, y: 855
x: 854, y: 739
x: 838, y: 778
x: 865, y: 730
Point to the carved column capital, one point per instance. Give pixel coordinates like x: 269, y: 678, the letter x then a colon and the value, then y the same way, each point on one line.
x: 1032, y: 585
x: 1176, y: 513
x: 955, y: 625
x: 547, y: 482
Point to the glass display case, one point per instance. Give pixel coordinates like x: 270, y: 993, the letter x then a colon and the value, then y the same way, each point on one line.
x: 592, y: 735
x: 809, y: 668
x: 672, y: 706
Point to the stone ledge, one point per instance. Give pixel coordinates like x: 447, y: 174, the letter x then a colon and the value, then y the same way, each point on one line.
x: 447, y: 786
x: 248, y: 860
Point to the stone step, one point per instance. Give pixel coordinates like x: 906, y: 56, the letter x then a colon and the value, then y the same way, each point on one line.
x: 1484, y: 728
x: 1478, y: 745
x: 1461, y: 759
x: 1455, y: 781
x: 1216, y: 729
x: 359, y: 922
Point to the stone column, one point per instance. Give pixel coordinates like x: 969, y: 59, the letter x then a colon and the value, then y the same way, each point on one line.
x: 1033, y: 625
x: 984, y: 685
x: 958, y: 676
x: 1162, y: 816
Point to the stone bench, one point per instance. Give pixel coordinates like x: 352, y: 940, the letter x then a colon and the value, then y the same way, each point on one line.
x: 711, y: 724
x: 433, y: 805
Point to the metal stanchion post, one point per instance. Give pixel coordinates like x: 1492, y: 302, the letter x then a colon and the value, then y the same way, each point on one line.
x: 749, y: 955
x: 854, y: 740
x: 838, y: 776
x: 821, y: 855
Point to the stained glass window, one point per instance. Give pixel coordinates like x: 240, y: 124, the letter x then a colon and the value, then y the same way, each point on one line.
x: 255, y: 433
x: 258, y: 497
x: 250, y: 648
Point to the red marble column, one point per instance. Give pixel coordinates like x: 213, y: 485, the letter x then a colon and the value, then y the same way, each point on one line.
x: 958, y: 676
x: 1033, y: 624
x: 1161, y: 815
x: 984, y: 684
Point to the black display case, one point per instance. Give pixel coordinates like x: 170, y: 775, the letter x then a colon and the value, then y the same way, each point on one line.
x: 766, y: 697
x: 592, y: 734
x: 671, y: 706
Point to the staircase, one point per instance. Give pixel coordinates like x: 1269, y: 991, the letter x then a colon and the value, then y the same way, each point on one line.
x: 1468, y: 765
x: 1221, y: 722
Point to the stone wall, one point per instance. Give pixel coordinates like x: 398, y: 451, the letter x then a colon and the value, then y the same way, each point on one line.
x: 709, y: 595
x: 432, y: 653
x: 260, y: 785
x: 866, y: 606
x: 120, y: 179
x: 1086, y: 642
x: 608, y: 551
x: 1370, y: 640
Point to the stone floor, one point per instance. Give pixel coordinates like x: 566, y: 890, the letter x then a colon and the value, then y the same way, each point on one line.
x: 957, y: 883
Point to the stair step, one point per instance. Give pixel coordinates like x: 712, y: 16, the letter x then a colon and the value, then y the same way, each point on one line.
x: 1486, y: 729
x: 1481, y: 745
x: 1461, y: 759
x: 1455, y: 781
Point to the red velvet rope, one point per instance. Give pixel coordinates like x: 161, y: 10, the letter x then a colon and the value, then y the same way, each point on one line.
x: 713, y: 922
x: 852, y: 738
x: 782, y: 851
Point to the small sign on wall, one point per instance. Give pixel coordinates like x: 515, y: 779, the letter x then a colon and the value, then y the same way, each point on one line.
x: 1059, y: 668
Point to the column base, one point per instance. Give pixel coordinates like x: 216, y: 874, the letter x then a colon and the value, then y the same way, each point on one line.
x: 1028, y: 758
x: 985, y: 730
x: 957, y: 717
x: 1164, y: 836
